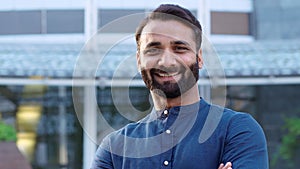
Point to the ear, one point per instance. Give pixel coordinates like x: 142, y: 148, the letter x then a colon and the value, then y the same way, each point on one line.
x: 138, y: 60
x: 200, y: 58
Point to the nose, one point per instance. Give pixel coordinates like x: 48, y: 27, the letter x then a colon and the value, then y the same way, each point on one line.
x: 167, y: 59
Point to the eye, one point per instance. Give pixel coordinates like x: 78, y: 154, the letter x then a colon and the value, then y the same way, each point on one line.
x: 152, y: 51
x: 180, y: 49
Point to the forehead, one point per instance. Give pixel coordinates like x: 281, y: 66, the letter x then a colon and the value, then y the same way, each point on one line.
x: 171, y: 30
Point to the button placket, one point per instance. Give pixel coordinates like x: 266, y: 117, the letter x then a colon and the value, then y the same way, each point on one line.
x: 167, y: 142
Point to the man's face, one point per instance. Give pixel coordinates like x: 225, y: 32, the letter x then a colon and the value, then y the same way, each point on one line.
x: 168, y: 58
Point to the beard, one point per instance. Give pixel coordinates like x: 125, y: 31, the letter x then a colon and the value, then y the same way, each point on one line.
x: 168, y: 89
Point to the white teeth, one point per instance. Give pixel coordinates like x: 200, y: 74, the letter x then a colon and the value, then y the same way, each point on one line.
x: 167, y: 75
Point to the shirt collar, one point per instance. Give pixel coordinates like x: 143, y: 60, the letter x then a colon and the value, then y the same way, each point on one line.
x: 183, y: 110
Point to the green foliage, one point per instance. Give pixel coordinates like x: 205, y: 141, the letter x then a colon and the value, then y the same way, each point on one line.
x: 290, y: 142
x: 7, y: 132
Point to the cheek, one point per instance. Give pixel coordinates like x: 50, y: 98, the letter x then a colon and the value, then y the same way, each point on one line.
x: 147, y: 63
x: 187, y: 61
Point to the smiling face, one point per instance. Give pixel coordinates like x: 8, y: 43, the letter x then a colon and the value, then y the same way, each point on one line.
x: 167, y: 57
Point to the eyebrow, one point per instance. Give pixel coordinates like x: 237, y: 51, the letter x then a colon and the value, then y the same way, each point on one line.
x: 151, y: 44
x: 179, y: 42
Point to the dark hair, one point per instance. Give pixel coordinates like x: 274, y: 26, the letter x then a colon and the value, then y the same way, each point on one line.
x: 172, y: 12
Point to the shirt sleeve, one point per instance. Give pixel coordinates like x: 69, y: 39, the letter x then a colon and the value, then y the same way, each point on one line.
x: 103, y: 159
x: 245, y: 144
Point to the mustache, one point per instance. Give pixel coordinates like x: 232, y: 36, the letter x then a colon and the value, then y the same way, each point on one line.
x: 163, y: 69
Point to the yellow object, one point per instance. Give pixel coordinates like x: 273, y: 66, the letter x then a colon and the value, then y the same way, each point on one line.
x: 31, y: 91
x: 28, y: 117
x: 26, y: 144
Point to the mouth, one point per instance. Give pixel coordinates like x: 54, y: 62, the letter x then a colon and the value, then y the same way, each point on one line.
x: 163, y: 76
x: 167, y: 74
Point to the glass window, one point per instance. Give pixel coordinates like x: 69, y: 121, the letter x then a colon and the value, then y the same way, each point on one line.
x: 234, y: 23
x: 48, y: 132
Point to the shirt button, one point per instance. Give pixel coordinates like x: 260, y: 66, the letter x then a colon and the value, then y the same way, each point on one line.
x: 168, y: 131
x: 166, y: 112
x: 166, y: 163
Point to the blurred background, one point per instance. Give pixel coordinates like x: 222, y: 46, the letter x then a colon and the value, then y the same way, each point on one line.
x: 55, y: 112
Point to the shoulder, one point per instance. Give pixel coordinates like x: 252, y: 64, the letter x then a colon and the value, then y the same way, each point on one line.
x: 226, y: 115
x: 232, y: 119
x: 240, y: 121
x: 242, y: 128
x: 133, y: 130
x: 233, y: 122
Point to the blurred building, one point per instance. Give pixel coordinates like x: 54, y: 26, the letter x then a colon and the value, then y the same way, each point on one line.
x: 64, y: 92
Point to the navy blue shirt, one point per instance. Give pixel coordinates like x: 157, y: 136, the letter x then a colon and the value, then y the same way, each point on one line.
x: 196, y: 136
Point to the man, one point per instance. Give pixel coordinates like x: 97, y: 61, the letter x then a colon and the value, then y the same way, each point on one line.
x: 169, y: 57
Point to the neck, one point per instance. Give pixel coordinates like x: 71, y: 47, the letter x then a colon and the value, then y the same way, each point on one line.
x: 189, y: 97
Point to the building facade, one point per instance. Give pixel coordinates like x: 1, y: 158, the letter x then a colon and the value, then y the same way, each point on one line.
x: 61, y: 105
